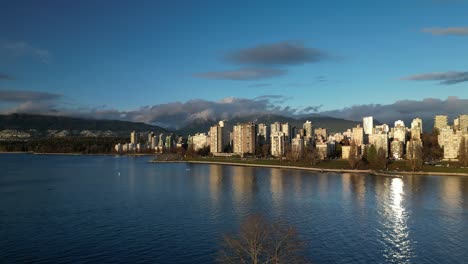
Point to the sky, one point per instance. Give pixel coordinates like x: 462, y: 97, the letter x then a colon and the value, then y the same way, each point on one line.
x: 171, y: 62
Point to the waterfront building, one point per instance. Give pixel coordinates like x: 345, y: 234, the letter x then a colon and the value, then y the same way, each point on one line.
x: 345, y: 150
x: 368, y: 124
x: 417, y: 124
x: 463, y: 123
x: 380, y: 141
x: 384, y: 128
x: 307, y: 129
x: 170, y: 141
x: 449, y: 140
x: 244, y: 138
x: 154, y: 142
x: 411, y: 148
x: 322, y: 150
x: 348, y: 134
x: 150, y: 138
x: 440, y: 122
x: 337, y: 137
x: 456, y: 124
x: 118, y: 148
x: 399, y: 131
x: 277, y: 144
x: 396, y: 149
x: 358, y: 135
x: 416, y: 129
x: 263, y: 134
x: 199, y: 141
x: 320, y: 134
x: 297, y: 145
x: 134, y: 137
x: 286, y: 129
x: 275, y: 127
x: 219, y: 137
x: 399, y: 123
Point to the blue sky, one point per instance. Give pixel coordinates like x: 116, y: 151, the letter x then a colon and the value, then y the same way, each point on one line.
x: 122, y: 55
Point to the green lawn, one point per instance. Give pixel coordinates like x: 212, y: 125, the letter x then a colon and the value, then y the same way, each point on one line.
x: 330, y: 164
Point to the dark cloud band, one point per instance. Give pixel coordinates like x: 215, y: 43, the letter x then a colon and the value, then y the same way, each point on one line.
x: 447, y: 78
x: 459, y: 31
x: 13, y: 96
x: 283, y: 53
x: 247, y: 74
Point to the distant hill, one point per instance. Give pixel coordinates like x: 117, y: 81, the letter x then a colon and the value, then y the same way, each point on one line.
x: 332, y: 124
x: 44, y: 123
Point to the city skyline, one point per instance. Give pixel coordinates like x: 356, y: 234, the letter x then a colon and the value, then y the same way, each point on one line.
x: 156, y: 62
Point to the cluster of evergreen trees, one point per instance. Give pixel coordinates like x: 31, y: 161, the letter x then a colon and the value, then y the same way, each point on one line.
x: 85, y: 145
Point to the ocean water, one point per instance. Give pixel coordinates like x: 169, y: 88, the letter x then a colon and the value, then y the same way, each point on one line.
x: 106, y: 209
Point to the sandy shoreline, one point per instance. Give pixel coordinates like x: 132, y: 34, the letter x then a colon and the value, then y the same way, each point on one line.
x: 397, y: 174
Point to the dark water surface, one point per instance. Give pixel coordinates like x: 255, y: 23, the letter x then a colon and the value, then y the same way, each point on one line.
x: 125, y: 210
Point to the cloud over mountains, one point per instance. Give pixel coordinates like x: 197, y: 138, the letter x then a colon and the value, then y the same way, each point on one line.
x: 176, y: 115
x: 404, y: 110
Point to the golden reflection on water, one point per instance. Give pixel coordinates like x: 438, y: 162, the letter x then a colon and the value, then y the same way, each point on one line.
x: 396, y: 235
x: 276, y: 188
x: 243, y: 181
x: 216, y: 177
x: 452, y: 192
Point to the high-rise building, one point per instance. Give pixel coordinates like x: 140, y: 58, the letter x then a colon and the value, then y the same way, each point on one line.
x: 134, y: 137
x: 286, y: 128
x: 358, y: 135
x: 440, y: 122
x: 399, y: 123
x: 397, y: 149
x: 368, y: 123
x: 263, y: 134
x: 320, y: 134
x: 199, y: 141
x: 277, y: 144
x: 399, y: 131
x: 275, y: 127
x: 416, y: 129
x: 449, y: 140
x: 297, y: 145
x: 380, y: 141
x: 161, y: 140
x: 153, y: 142
x: 308, y: 129
x: 322, y: 150
x: 417, y: 123
x: 463, y: 123
x: 219, y: 137
x: 244, y: 138
x: 170, y: 141
x: 150, y: 137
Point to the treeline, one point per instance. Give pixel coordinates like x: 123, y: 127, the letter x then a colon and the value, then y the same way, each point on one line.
x: 84, y: 145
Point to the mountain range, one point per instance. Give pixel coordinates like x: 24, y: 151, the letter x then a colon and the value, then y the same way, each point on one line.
x: 46, y: 126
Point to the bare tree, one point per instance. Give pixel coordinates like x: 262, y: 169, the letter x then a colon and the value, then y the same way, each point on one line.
x: 463, y: 152
x: 261, y: 242
x: 414, y: 155
x: 311, y: 155
x: 381, y: 160
x: 265, y: 150
x: 354, y: 160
